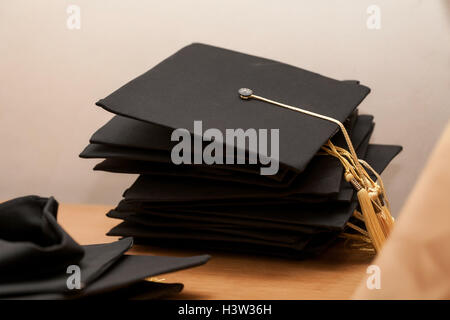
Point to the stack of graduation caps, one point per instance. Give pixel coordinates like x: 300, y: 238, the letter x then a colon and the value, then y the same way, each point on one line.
x: 296, y: 212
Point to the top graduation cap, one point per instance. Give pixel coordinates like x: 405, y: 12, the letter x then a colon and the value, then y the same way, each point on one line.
x: 200, y: 82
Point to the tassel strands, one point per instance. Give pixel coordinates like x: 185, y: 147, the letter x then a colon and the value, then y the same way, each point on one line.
x: 377, y: 235
x: 371, y: 195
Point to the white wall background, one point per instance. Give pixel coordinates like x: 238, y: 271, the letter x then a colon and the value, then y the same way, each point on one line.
x: 50, y: 76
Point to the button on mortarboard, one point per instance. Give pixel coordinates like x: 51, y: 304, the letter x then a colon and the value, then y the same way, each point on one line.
x: 245, y: 93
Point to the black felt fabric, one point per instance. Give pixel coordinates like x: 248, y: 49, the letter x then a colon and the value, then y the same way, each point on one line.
x: 130, y: 133
x: 320, y: 168
x: 31, y: 241
x: 140, y: 231
x: 201, y: 82
x: 296, y: 230
x: 324, y: 215
x: 131, y: 154
x: 129, y: 271
x: 142, y: 290
x: 173, y: 188
x: 204, y: 221
x: 379, y: 156
x: 97, y: 259
x: 174, y: 229
x: 96, y: 151
x: 163, y: 169
x: 35, y: 253
x: 314, y: 246
x: 127, y: 132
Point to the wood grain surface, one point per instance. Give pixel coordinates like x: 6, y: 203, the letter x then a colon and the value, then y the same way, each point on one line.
x: 333, y: 275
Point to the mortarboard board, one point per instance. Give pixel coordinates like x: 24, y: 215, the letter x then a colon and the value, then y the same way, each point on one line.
x: 200, y: 82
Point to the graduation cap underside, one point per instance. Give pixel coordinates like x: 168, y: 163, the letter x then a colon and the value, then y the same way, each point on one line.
x: 296, y: 212
x: 37, y: 255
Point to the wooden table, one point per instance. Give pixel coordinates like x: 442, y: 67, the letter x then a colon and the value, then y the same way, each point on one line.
x: 333, y: 275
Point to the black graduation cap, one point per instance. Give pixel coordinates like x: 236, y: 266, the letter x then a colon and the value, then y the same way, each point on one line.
x: 36, y: 252
x: 200, y: 82
x: 297, y: 211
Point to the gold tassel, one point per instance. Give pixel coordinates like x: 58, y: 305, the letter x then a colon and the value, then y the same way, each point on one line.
x: 154, y: 279
x: 387, y: 216
x: 374, y: 228
x: 371, y: 195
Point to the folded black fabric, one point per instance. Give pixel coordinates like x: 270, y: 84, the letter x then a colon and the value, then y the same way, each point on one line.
x: 142, y: 290
x: 35, y: 254
x: 198, y: 220
x: 127, y: 272
x: 97, y: 259
x: 31, y: 241
x: 171, y: 189
x: 132, y: 155
x: 216, y: 225
x: 313, y: 247
x: 132, y: 134
x: 317, y: 215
